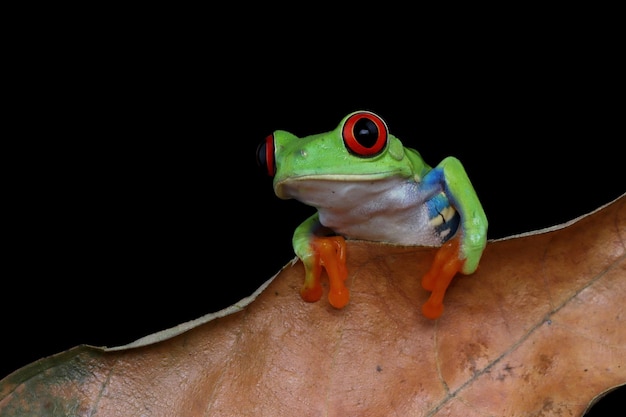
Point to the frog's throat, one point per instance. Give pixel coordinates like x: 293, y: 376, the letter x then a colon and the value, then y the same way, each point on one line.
x: 280, y: 185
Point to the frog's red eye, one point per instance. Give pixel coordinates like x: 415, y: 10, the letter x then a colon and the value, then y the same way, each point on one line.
x: 265, y: 155
x: 365, y: 134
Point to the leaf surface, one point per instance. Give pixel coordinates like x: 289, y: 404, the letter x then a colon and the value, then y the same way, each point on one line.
x: 538, y: 330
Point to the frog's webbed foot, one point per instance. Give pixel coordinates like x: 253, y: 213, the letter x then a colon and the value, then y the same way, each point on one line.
x: 445, y: 266
x: 328, y: 252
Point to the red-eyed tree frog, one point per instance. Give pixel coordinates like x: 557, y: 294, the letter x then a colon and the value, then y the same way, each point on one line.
x: 364, y: 184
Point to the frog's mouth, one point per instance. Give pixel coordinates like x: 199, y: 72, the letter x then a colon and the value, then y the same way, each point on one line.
x: 334, y: 190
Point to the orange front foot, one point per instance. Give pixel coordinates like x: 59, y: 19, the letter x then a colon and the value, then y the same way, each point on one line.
x: 438, y: 278
x: 328, y: 252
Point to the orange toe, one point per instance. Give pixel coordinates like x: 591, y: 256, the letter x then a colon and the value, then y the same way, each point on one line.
x: 311, y: 294
x: 332, y: 256
x: 438, y: 278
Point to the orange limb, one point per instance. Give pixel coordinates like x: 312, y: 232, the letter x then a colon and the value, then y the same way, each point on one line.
x: 311, y: 291
x: 328, y: 252
x: 445, y: 266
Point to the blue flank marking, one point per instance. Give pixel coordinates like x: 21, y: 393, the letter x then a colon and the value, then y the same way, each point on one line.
x: 433, y: 182
x: 435, y: 206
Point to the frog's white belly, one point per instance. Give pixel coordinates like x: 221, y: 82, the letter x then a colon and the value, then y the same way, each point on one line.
x: 392, y: 210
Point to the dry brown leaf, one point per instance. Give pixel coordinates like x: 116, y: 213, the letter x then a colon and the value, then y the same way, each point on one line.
x: 539, y: 330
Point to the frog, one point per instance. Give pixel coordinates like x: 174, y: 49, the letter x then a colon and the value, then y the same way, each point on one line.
x: 364, y: 184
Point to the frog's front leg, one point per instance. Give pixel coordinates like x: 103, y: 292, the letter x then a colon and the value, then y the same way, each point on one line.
x: 316, y: 252
x: 462, y: 252
x: 445, y: 266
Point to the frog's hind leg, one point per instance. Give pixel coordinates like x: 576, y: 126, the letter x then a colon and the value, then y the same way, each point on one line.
x: 445, y: 266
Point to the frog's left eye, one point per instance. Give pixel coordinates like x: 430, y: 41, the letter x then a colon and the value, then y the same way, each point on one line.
x: 365, y: 134
x: 265, y: 155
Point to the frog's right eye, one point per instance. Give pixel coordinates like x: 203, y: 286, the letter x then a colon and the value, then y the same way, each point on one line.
x: 365, y: 134
x: 265, y: 155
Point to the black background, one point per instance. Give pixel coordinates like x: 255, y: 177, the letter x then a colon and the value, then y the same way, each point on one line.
x: 136, y: 203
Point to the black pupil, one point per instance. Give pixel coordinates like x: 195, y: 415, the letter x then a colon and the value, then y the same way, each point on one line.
x: 366, y: 132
